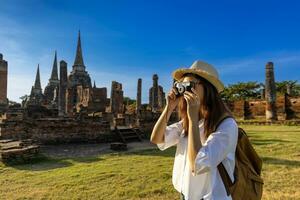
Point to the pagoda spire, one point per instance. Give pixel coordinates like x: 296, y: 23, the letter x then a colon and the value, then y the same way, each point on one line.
x: 54, y: 74
x: 37, y: 83
x: 78, y: 59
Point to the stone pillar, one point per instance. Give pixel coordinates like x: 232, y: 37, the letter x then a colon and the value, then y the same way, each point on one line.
x: 161, y: 97
x: 3, y: 81
x: 139, y: 96
x: 116, y: 98
x: 155, y: 92
x: 138, y: 101
x: 63, y: 84
x: 270, y: 93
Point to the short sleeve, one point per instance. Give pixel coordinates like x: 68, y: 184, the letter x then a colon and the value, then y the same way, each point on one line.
x: 217, y: 146
x: 172, y: 135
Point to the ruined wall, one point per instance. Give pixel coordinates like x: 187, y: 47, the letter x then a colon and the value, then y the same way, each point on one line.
x: 157, y: 99
x: 98, y: 102
x: 71, y: 99
x: 237, y: 107
x: 257, y: 107
x: 83, y: 96
x: 54, y: 130
x: 295, y: 105
x: 148, y: 120
x: 116, y: 98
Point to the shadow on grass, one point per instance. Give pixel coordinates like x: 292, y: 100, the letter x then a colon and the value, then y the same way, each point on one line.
x: 40, y: 163
x: 86, y: 159
x: 277, y: 161
x: 44, y: 163
x: 170, y: 152
x: 267, y: 141
x: 277, y: 131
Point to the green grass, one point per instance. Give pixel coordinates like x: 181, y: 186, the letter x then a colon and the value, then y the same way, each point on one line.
x: 147, y: 174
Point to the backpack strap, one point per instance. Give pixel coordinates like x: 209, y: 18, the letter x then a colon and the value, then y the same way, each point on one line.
x: 225, y: 177
x: 222, y: 171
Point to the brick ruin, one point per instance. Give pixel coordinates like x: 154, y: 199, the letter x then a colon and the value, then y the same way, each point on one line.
x: 270, y: 108
x: 72, y: 110
x: 156, y: 95
x: 57, y: 130
x: 116, y: 99
x: 287, y: 108
x: 3, y: 84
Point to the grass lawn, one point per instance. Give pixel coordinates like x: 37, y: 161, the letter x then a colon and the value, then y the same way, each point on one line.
x: 147, y: 174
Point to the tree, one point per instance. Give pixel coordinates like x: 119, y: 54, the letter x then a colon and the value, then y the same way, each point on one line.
x: 242, y: 90
x: 128, y: 100
x: 281, y: 87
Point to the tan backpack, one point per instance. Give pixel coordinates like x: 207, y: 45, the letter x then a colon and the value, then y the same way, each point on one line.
x: 248, y: 184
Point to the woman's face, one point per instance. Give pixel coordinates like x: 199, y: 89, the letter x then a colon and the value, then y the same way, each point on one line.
x: 198, y: 87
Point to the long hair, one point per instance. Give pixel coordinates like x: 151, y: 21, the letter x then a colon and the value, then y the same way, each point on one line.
x: 211, y: 108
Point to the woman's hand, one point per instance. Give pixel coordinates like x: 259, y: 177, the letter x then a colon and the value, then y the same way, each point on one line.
x: 172, y: 100
x: 193, y: 105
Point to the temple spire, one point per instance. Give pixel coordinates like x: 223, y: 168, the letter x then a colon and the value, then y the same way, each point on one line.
x: 37, y: 83
x: 94, y: 84
x: 78, y: 59
x: 54, y: 74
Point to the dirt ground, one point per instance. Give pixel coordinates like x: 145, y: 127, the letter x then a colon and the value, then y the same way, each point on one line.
x: 84, y: 150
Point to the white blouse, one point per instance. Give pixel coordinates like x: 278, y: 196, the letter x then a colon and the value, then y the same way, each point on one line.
x: 220, y: 146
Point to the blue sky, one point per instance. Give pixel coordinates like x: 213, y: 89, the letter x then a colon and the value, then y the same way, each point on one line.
x: 126, y: 40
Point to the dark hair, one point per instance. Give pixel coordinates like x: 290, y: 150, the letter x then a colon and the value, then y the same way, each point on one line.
x: 211, y: 109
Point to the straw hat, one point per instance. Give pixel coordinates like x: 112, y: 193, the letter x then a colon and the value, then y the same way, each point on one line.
x: 204, y: 70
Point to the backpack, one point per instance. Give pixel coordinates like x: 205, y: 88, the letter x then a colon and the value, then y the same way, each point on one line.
x: 248, y: 183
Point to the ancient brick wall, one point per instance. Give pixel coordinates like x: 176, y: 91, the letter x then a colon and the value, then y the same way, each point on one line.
x: 238, y: 108
x: 148, y: 120
x: 99, y: 100
x: 116, y: 98
x: 56, y: 130
x: 295, y: 105
x: 257, y: 107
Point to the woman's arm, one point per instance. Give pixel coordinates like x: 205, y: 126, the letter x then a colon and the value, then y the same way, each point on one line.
x: 194, y: 142
x: 157, y: 135
x: 158, y: 131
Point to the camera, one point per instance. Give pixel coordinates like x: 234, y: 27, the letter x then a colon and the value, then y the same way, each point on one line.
x: 181, y: 87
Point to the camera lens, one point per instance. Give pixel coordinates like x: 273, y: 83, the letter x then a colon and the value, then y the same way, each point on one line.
x: 181, y: 89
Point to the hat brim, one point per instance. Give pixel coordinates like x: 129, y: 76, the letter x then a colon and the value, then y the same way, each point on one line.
x: 177, y: 74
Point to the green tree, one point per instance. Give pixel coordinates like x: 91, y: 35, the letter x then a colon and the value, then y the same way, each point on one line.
x: 281, y: 87
x: 129, y: 101
x: 242, y: 90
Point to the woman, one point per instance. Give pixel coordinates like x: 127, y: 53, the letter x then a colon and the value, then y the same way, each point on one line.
x: 200, y: 148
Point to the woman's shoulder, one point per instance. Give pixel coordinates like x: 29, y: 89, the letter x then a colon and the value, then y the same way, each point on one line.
x: 228, y: 124
x: 229, y: 121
